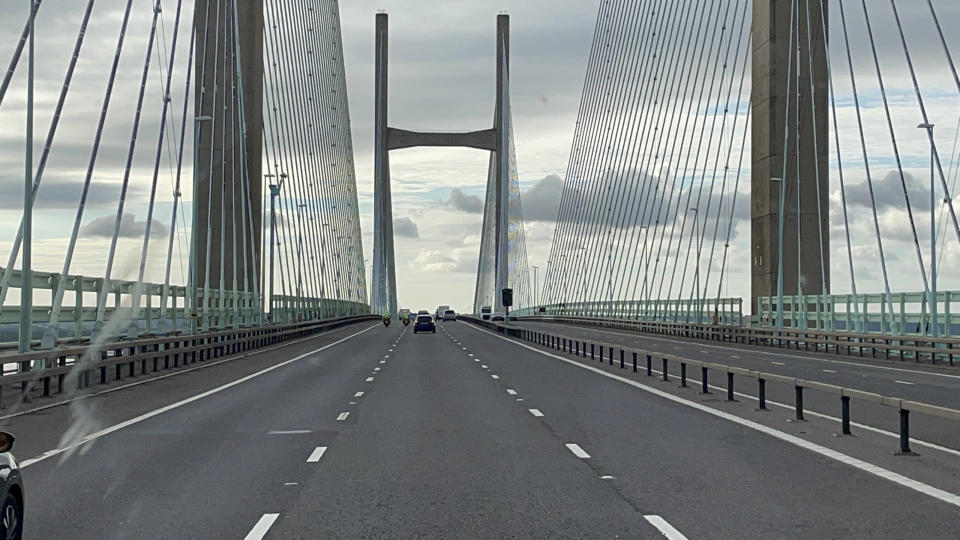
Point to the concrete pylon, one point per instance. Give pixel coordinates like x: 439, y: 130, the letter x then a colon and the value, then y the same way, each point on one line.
x: 383, y: 298
x: 240, y: 173
x: 776, y: 116
x: 496, y: 140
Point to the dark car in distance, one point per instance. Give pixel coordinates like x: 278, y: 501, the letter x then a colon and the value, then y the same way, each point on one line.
x: 424, y: 323
x: 11, y: 513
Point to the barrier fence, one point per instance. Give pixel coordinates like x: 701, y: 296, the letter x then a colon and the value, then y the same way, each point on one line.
x: 46, y: 372
x: 645, y: 360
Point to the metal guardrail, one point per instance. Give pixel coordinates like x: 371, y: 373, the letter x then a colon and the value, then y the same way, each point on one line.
x: 579, y: 349
x: 145, y: 355
x: 936, y: 350
x: 727, y: 310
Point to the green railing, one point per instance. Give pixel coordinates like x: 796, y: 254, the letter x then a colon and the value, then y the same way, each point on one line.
x: 290, y: 309
x: 728, y: 311
x: 865, y: 313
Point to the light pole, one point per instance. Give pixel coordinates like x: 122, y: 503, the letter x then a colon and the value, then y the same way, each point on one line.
x: 195, y: 209
x: 26, y: 270
x: 933, y: 236
x: 274, y: 192
x: 536, y: 295
x: 780, y: 255
x: 696, y: 214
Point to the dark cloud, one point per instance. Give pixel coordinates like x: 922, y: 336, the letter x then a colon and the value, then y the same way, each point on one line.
x: 888, y: 192
x: 129, y: 227
x: 542, y: 200
x: 62, y: 194
x: 465, y: 203
x: 405, y: 227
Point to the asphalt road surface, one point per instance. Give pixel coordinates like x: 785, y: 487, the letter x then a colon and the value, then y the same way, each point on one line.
x: 375, y: 432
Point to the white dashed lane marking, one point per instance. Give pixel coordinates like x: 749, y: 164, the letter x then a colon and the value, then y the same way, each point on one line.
x: 829, y: 371
x: 904, y: 382
x: 577, y: 451
x: 317, y: 454
x: 665, y: 528
x: 260, y: 529
x: 495, y: 376
x: 777, y: 363
x: 511, y: 391
x: 342, y: 416
x: 536, y: 412
x: 358, y: 394
x: 369, y: 379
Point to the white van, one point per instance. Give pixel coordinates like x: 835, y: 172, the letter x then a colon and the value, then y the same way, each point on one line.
x: 485, y: 312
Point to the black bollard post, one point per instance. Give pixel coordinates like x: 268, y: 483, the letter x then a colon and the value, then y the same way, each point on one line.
x: 704, y: 385
x: 683, y: 374
x: 799, y: 402
x: 845, y: 405
x: 730, y: 396
x: 621, y: 358
x: 649, y: 366
x: 905, y: 431
x: 634, y: 362
x: 762, y: 393
x: 666, y: 377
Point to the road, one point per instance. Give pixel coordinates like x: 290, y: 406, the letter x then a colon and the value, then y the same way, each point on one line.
x: 904, y: 380
x: 375, y: 432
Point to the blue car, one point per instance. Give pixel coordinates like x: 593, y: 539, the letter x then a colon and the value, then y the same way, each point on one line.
x: 424, y: 323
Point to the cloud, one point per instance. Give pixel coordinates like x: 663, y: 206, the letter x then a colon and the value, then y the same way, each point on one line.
x: 888, y: 192
x: 129, y: 227
x: 465, y: 203
x: 405, y: 227
x: 542, y: 200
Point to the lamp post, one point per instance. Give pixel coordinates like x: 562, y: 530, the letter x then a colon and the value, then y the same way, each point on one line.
x: 536, y: 295
x: 274, y: 192
x: 26, y: 270
x: 933, y: 235
x: 195, y: 209
x: 780, y: 255
x: 696, y: 215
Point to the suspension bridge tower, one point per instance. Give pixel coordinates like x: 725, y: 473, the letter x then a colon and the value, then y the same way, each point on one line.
x: 790, y: 142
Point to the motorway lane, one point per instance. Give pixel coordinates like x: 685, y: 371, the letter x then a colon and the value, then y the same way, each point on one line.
x: 441, y: 450
x: 939, y: 387
x: 930, y: 385
x: 209, y: 468
x: 708, y: 477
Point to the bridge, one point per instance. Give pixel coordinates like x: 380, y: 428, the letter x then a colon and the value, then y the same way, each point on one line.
x: 744, y: 327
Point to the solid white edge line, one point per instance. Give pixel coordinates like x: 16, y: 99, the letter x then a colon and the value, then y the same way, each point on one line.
x: 577, y: 451
x: 876, y: 470
x: 343, y: 416
x: 665, y: 528
x: 535, y: 412
x: 263, y: 525
x: 772, y: 353
x: 137, y: 419
x: 289, y: 432
x: 205, y: 364
x: 316, y: 454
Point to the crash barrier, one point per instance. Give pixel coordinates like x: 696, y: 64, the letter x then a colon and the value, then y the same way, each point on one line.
x: 945, y: 351
x: 46, y: 371
x: 641, y: 359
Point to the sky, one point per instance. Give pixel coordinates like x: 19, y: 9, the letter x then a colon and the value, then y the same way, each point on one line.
x: 442, y: 77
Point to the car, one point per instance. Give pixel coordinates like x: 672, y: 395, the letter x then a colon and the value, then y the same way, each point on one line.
x: 423, y: 312
x: 11, y: 514
x: 514, y: 318
x: 449, y: 315
x: 497, y: 317
x: 485, y: 312
x: 424, y: 323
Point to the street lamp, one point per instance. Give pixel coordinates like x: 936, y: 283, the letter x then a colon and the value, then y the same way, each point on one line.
x: 780, y: 254
x: 274, y: 192
x: 933, y: 236
x: 696, y: 214
x: 193, y: 275
x: 536, y: 296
